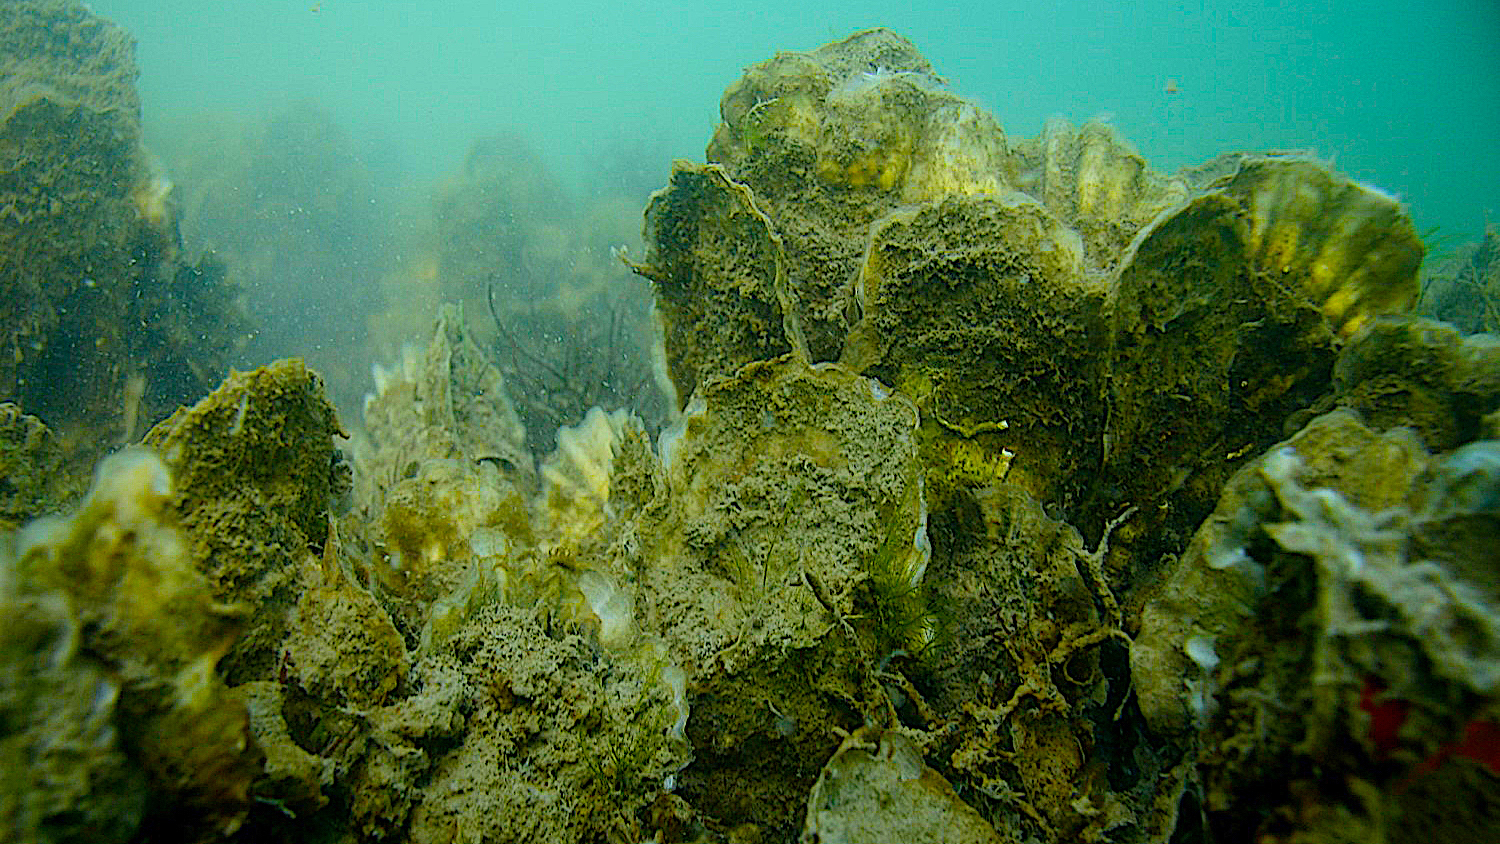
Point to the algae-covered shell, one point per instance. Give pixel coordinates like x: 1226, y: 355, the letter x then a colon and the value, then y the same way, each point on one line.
x: 864, y: 113
x: 963, y: 152
x: 1226, y: 315
x: 715, y: 260
x: 445, y: 401
x: 1096, y: 183
x: 139, y: 608
x: 68, y: 776
x: 1025, y: 579
x: 877, y: 788
x: 1337, y: 613
x: 1214, y: 592
x: 253, y: 464
x: 1426, y: 375
x: 575, y: 476
x: 1349, y: 247
x: 788, y: 469
x: 574, y: 511
x: 778, y: 108
x: 982, y: 312
x: 787, y: 535
x: 30, y: 461
x: 823, y: 143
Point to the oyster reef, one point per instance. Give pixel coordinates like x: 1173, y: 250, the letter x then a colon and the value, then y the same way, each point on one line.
x: 1013, y: 492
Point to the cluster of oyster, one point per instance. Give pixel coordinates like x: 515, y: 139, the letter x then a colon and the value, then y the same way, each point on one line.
x: 1096, y: 353
x: 1017, y: 492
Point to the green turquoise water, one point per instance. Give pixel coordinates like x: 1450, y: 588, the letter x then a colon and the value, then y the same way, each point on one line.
x: 1403, y: 94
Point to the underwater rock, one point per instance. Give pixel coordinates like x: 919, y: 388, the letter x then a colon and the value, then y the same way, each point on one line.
x: 877, y: 789
x: 126, y: 701
x: 107, y: 328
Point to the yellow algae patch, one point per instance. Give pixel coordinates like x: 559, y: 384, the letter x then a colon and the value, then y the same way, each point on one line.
x: 883, y: 167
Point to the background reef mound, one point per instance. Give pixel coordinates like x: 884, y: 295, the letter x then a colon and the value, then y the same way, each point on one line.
x: 1464, y: 289
x: 108, y: 327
